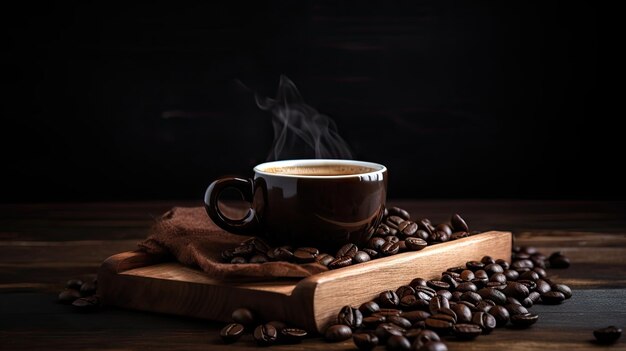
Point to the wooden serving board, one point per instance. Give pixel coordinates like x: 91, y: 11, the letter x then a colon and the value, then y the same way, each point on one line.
x: 133, y: 280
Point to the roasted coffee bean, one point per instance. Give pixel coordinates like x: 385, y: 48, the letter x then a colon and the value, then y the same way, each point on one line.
x: 440, y: 236
x: 265, y: 335
x: 474, y: 265
x: 541, y: 272
x: 382, y: 230
x: 445, y: 293
x: 542, y: 286
x: 433, y: 346
x: 449, y: 312
x: 440, y: 323
x: 415, y: 243
x: 504, y: 264
x: 407, y: 228
x: 516, y: 290
x: 409, y: 303
x: 466, y: 331
x: 484, y: 305
x: 398, y: 343
x: 338, y: 332
x: 529, y: 275
x: 553, y: 298
x: 278, y: 325
x: 526, y: 263
x: 422, y: 234
x: 481, y: 274
x: 425, y: 225
x: 386, y: 330
x: 524, y: 320
x: 399, y: 321
x: 388, y: 299
x: 369, y: 307
x: 607, y: 335
x: 450, y: 281
x: 557, y: 260
x: 511, y: 275
x: 412, y: 333
x: 348, y: 250
x: 456, y: 296
x: 404, y: 290
x: 231, y: 332
x: 463, y: 313
x: 467, y: 286
x: 373, y: 321
x: 280, y: 254
x: 238, y: 260
x: 458, y: 223
x: 392, y: 238
x: 260, y: 258
x: 372, y: 253
x: 501, y: 314
x: 492, y: 294
x: 74, y: 284
x: 324, y: 259
x: 340, y: 262
x: 365, y: 341
x: 244, y: 250
x: 394, y: 221
x: 419, y: 325
x: 416, y: 316
x: 515, y: 309
x: 438, y: 302
x: 471, y: 297
x: 243, y: 316
x: 389, y: 248
x: 68, y: 296
x: 292, y: 335
x: 493, y: 268
x: 443, y: 227
x: 467, y: 275
x: 360, y: 257
x: 424, y: 337
x: 424, y: 292
x: 563, y: 289
x: 418, y: 282
x: 305, y: 254
x: 438, y: 284
x: 397, y: 211
x: 388, y: 312
x: 498, y: 277
x: 459, y: 235
x: 87, y: 304
x: 375, y: 243
x: 487, y: 260
x: 349, y: 316
x: 530, y: 284
x: 485, y: 321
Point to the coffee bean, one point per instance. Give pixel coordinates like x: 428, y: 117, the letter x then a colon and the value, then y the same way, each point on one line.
x: 458, y: 223
x: 463, y: 313
x: 415, y: 243
x: 382, y: 230
x: 410, y: 302
x: 493, y: 268
x: 324, y: 259
x: 440, y: 323
x: 389, y: 312
x: 425, y: 225
x: 451, y: 281
x: 348, y: 250
x: 389, y: 248
x: 372, y: 253
x: 351, y: 317
x: 471, y: 297
x: 305, y: 254
x: 467, y: 275
x: 407, y: 228
x: 243, y: 316
x: 456, y: 296
x: 515, y: 309
x: 373, y: 321
x: 422, y: 234
x: 278, y: 325
x: 540, y: 271
x: 443, y: 227
x: 529, y: 275
x: 516, y: 290
x: 375, y: 243
x: 424, y: 292
x: 511, y: 275
x: 501, y: 314
x: 68, y: 296
x: 459, y: 235
x: 386, y: 330
x: 504, y: 264
x: 280, y: 254
x: 265, y: 335
x: 424, y: 337
x: 438, y: 302
x: 562, y: 288
x: 418, y: 282
x: 340, y: 262
x: 467, y: 286
x: 438, y: 284
x: 399, y: 321
x: 484, y: 305
x: 542, y: 286
x: 557, y: 260
x: 520, y: 264
x: 360, y: 257
x: 74, y: 284
x: 524, y: 320
x: 87, y: 304
x: 484, y: 320
x: 392, y: 238
x: 607, y: 335
x: 292, y: 335
x: 445, y: 293
x: 260, y: 258
x: 388, y: 299
x: 404, y: 290
x: 434, y: 346
x: 397, y: 211
x: 487, y: 260
x: 440, y: 237
x: 393, y: 221
x: 365, y: 341
x: 231, y: 333
x: 466, y: 331
x: 492, y: 294
x: 553, y: 298
x: 498, y: 277
x: 416, y: 316
x: 238, y: 260
x: 474, y: 265
x: 338, y: 332
x: 368, y: 308
x: 244, y: 250
x: 398, y: 343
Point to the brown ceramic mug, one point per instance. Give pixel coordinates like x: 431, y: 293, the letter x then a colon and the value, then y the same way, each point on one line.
x: 321, y: 203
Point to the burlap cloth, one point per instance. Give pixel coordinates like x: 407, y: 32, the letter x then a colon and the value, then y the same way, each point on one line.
x: 188, y: 235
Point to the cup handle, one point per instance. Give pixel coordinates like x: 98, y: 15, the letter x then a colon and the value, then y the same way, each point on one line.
x: 244, y: 225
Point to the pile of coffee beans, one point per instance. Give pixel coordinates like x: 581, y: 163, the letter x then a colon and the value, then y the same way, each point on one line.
x: 397, y: 233
x: 264, y: 334
x: 81, y: 295
x: 463, y: 303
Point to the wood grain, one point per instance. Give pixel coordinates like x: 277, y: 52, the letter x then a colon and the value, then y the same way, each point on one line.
x: 133, y: 280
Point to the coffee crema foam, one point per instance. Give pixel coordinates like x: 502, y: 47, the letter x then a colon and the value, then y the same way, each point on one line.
x: 321, y: 170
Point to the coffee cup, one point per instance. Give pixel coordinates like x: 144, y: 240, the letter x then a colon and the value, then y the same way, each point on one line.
x: 320, y: 202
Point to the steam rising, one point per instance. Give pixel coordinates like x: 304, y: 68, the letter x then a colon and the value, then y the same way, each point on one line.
x: 299, y: 130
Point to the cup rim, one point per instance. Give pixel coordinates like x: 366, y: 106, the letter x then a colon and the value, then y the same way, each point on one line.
x: 259, y: 169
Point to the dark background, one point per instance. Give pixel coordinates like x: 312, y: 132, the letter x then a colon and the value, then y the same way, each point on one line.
x: 469, y: 99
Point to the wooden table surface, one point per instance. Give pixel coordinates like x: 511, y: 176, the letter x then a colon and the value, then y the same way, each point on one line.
x: 43, y: 245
